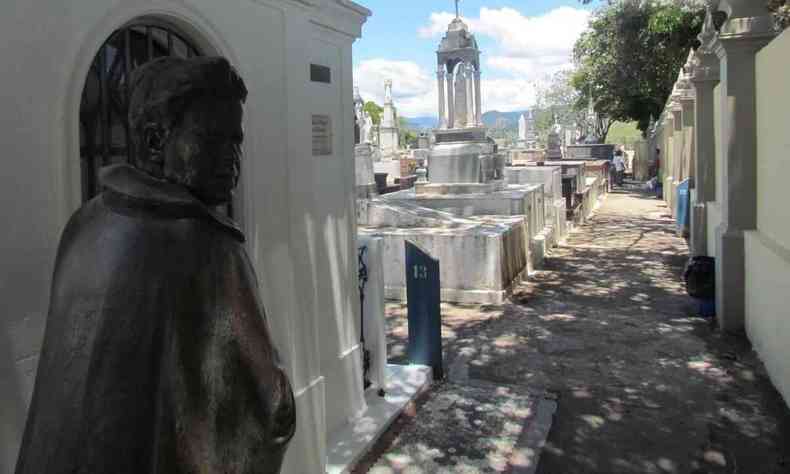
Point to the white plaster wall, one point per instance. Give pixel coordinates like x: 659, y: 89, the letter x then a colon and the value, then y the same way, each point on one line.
x: 767, y: 315
x: 375, y: 304
x: 714, y: 207
x: 717, y: 130
x: 714, y: 220
x: 773, y: 140
x: 768, y: 248
x: 297, y: 212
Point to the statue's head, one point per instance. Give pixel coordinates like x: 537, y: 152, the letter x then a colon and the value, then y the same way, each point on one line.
x: 185, y: 119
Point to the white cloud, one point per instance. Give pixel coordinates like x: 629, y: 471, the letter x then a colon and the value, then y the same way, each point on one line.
x: 507, y: 95
x: 415, y: 94
x: 413, y: 88
x: 526, y: 51
x: 437, y: 25
x: 527, y: 47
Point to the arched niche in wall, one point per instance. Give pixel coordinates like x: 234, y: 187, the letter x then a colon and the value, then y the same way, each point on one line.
x: 104, y: 128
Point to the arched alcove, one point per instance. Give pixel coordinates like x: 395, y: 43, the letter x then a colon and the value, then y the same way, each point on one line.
x: 104, y: 129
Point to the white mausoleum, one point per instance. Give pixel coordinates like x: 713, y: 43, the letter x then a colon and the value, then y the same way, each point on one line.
x: 61, y: 110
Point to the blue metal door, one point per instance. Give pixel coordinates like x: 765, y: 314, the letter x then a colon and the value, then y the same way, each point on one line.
x: 424, y: 307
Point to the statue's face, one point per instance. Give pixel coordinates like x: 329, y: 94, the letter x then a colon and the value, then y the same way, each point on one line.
x: 204, y: 152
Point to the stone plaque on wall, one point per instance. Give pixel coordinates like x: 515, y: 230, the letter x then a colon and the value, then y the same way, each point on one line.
x: 322, y: 135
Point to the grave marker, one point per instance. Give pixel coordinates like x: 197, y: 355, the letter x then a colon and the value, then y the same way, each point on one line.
x: 425, y: 316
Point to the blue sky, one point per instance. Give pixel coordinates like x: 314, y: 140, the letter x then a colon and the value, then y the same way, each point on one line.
x: 522, y: 41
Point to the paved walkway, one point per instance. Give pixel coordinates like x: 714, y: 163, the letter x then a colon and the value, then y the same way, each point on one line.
x: 607, y: 331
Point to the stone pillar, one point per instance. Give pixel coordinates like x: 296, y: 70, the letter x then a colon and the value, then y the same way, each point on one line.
x: 687, y: 110
x: 478, y: 100
x: 460, y: 98
x: 704, y: 77
x: 450, y: 100
x: 748, y: 29
x: 442, y: 101
x: 671, y: 136
x: 470, y: 101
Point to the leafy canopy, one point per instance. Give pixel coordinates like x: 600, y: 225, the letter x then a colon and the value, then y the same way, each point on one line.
x: 374, y: 110
x: 630, y: 55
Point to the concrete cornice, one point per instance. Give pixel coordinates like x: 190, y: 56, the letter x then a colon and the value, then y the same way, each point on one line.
x: 359, y: 9
x: 705, y: 67
x: 746, y: 43
x: 746, y: 19
x: 342, y: 16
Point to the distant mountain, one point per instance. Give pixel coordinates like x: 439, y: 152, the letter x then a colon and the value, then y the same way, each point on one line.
x: 506, y: 119
x: 420, y: 123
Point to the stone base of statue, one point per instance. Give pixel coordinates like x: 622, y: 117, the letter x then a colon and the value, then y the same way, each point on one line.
x: 363, y: 167
x: 460, y: 135
x: 470, y: 162
x: 589, y: 151
x: 554, y: 149
x: 388, y: 139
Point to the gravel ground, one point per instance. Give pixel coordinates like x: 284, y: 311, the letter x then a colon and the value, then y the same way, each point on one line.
x: 606, y: 329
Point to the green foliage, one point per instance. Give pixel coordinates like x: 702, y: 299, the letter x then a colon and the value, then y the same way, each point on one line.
x: 781, y: 10
x: 624, y: 134
x: 407, y: 134
x: 559, y: 97
x: 629, y: 57
x: 374, y: 110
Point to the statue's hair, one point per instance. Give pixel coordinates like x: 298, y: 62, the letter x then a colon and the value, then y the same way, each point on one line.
x: 160, y: 89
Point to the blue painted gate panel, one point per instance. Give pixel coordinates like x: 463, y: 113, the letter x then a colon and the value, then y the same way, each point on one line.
x: 423, y: 292
x: 683, y: 206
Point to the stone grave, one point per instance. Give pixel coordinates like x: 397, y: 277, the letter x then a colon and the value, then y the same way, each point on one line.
x: 486, y: 233
x: 554, y: 202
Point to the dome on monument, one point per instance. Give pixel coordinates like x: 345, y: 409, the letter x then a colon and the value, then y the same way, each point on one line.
x: 458, y: 37
x: 457, y: 24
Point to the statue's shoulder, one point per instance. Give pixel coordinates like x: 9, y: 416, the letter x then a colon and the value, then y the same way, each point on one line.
x: 134, y: 193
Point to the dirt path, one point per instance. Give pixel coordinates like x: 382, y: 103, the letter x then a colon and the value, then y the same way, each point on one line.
x: 607, y: 330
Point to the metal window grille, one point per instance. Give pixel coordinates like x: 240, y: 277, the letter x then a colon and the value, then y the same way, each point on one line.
x: 104, y: 127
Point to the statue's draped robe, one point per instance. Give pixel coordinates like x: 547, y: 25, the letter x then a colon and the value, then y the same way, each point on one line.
x: 157, y: 357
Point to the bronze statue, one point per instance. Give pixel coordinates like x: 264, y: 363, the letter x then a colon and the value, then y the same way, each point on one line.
x: 157, y: 357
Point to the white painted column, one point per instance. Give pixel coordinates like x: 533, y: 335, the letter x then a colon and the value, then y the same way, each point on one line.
x: 442, y: 113
x: 470, y: 102
x: 450, y: 100
x: 478, y: 100
x: 748, y: 29
x: 677, y: 143
x: 705, y: 77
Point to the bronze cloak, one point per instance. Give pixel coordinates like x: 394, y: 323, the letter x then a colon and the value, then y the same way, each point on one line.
x: 157, y: 357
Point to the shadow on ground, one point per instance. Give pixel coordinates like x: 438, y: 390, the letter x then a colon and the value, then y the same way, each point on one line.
x: 643, y: 385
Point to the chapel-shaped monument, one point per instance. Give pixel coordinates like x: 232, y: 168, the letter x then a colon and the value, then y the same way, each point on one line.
x: 462, y: 153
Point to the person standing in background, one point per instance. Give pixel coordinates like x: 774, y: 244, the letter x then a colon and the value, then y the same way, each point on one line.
x: 619, y: 167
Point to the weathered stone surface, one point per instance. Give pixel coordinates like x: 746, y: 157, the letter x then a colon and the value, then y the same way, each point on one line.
x: 462, y: 429
x: 480, y: 257
x: 653, y: 388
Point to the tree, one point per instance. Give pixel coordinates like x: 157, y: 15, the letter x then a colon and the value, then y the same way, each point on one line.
x: 374, y: 110
x: 407, y: 134
x: 781, y: 10
x: 630, y: 55
x: 556, y: 96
